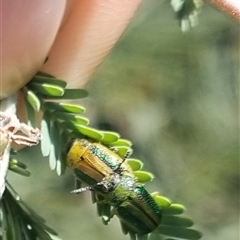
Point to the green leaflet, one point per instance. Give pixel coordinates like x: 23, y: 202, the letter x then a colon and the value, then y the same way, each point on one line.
x: 179, y: 232
x: 18, y: 167
x: 122, y: 142
x: 162, y: 201
x: 143, y: 176
x: 109, y: 137
x: 64, y: 107
x: 177, y: 221
x: 54, y: 149
x: 52, y: 158
x: 45, y: 128
x: 74, y: 118
x: 50, y: 90
x: 49, y: 80
x: 70, y: 94
x: 173, y: 209
x: 124, y: 228
x: 33, y: 100
x: 122, y: 150
x: 135, y: 164
x: 30, y: 114
x: 61, y: 122
x: 89, y: 132
x: 19, y: 170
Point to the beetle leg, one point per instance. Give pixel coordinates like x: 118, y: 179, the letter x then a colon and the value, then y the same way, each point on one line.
x: 127, y: 154
x: 78, y: 183
x: 83, y: 189
x: 113, y: 212
x: 114, y: 149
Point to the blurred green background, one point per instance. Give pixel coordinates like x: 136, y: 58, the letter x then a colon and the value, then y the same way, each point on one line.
x: 176, y: 97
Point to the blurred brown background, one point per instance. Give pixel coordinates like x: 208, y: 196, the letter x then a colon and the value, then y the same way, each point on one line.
x: 176, y: 97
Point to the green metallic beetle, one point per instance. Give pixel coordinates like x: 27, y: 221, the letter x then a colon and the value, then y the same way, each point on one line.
x: 92, y: 162
x: 130, y: 201
x: 111, y: 178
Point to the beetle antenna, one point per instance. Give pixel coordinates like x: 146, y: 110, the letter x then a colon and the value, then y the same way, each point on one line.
x: 125, y: 157
x: 83, y: 189
x: 127, y: 154
x: 104, y: 183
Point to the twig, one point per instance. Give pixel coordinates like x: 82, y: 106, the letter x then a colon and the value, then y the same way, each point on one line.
x: 7, y: 105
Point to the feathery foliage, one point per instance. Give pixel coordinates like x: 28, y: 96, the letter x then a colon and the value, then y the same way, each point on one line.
x: 62, y: 121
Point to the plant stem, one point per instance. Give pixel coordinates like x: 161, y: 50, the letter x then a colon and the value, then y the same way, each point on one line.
x: 7, y: 105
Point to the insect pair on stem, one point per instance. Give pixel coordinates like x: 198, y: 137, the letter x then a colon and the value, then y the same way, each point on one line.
x: 114, y: 183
